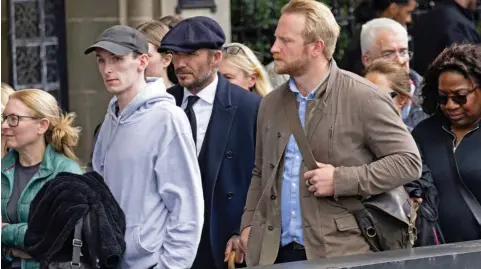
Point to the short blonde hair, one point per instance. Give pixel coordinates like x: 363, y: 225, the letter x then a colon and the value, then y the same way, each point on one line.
x: 154, y: 31
x: 61, y: 135
x: 247, y: 62
x: 320, y: 23
x: 6, y: 92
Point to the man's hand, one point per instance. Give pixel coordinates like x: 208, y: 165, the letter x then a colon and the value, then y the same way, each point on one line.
x: 239, y: 245
x: 20, y: 254
x: 418, y: 200
x: 234, y: 244
x: 320, y: 180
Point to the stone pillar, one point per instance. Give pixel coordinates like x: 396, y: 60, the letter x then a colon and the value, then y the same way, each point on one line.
x: 139, y: 11
x: 222, y: 15
x: 5, y: 54
x: 86, y: 20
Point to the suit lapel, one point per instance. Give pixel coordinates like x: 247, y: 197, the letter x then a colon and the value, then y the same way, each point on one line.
x: 178, y: 92
x: 217, y: 135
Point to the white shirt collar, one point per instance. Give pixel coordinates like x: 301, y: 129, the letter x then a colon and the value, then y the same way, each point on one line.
x: 207, y: 94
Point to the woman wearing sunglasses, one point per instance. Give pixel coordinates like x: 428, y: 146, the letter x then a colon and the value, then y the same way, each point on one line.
x: 241, y: 67
x: 41, y: 140
x: 450, y: 140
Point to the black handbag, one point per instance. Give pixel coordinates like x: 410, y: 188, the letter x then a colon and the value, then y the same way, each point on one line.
x: 77, y: 244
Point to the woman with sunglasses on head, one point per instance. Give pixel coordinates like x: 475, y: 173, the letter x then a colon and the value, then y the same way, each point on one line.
x: 241, y: 67
x: 41, y: 140
x: 393, y: 78
x: 450, y: 140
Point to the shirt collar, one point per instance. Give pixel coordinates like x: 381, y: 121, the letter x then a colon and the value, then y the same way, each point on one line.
x: 312, y: 94
x: 207, y: 94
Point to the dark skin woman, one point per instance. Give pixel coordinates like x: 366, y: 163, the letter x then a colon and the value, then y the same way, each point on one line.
x: 450, y: 140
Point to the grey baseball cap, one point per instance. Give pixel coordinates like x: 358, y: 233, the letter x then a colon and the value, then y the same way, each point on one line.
x: 121, y: 40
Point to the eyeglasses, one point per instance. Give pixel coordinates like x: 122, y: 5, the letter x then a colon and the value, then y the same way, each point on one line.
x: 393, y: 94
x: 459, y: 98
x: 405, y: 54
x: 233, y: 50
x: 13, y: 120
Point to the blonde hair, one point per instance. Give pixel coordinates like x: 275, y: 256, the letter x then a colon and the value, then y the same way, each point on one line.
x: 154, y: 31
x: 6, y: 92
x: 247, y: 62
x: 61, y: 135
x: 398, y: 76
x: 320, y: 23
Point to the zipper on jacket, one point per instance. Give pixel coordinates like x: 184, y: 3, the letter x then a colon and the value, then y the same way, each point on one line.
x: 455, y: 138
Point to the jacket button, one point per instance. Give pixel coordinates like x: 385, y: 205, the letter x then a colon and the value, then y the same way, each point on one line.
x: 279, y: 134
x: 229, y: 154
x: 271, y: 166
x: 230, y: 195
x: 273, y: 197
x: 270, y: 227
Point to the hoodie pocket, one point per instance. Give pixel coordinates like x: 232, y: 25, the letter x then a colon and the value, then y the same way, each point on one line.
x: 135, y: 242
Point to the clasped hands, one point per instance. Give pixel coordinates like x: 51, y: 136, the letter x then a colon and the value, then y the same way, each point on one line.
x: 320, y: 181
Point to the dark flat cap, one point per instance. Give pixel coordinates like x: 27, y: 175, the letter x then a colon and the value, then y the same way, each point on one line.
x: 121, y: 40
x: 192, y: 34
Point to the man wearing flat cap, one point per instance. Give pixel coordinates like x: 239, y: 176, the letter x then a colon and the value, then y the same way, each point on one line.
x: 223, y: 119
x: 143, y: 137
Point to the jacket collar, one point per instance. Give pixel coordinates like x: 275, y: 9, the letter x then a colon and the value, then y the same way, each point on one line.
x: 466, y: 12
x: 222, y: 95
x: 46, y: 166
x: 331, y: 80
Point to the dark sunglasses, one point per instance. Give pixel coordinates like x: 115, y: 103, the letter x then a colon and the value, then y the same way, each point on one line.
x: 458, y: 98
x: 393, y: 94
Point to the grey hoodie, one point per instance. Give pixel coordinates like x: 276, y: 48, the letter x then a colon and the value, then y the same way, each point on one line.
x: 147, y: 157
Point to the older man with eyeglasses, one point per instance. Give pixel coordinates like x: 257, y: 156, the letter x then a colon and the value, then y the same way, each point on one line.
x: 386, y: 38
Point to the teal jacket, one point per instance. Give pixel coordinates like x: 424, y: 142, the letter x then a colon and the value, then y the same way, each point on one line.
x: 52, y: 164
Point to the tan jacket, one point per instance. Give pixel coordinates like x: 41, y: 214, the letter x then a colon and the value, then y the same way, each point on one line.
x: 352, y: 126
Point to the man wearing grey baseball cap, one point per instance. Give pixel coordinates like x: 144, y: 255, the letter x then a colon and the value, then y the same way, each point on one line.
x: 143, y: 138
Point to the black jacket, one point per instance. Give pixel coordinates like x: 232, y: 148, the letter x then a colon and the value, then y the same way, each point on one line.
x: 57, y: 208
x: 448, y: 23
x: 435, y: 143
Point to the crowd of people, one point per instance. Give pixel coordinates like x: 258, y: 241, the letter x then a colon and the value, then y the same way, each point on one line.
x: 206, y: 159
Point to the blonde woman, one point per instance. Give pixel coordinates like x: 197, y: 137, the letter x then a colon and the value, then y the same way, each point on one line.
x: 41, y: 140
x: 240, y: 66
x: 394, y: 79
x: 6, y: 91
x: 159, y: 63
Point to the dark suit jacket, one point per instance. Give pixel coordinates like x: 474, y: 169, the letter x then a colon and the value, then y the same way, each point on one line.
x: 448, y: 23
x: 226, y: 162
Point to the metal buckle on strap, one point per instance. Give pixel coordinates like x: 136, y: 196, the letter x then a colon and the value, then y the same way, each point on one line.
x: 77, y: 243
x: 75, y: 264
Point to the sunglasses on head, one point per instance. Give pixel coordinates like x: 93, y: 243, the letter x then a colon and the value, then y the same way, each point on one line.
x: 459, y: 98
